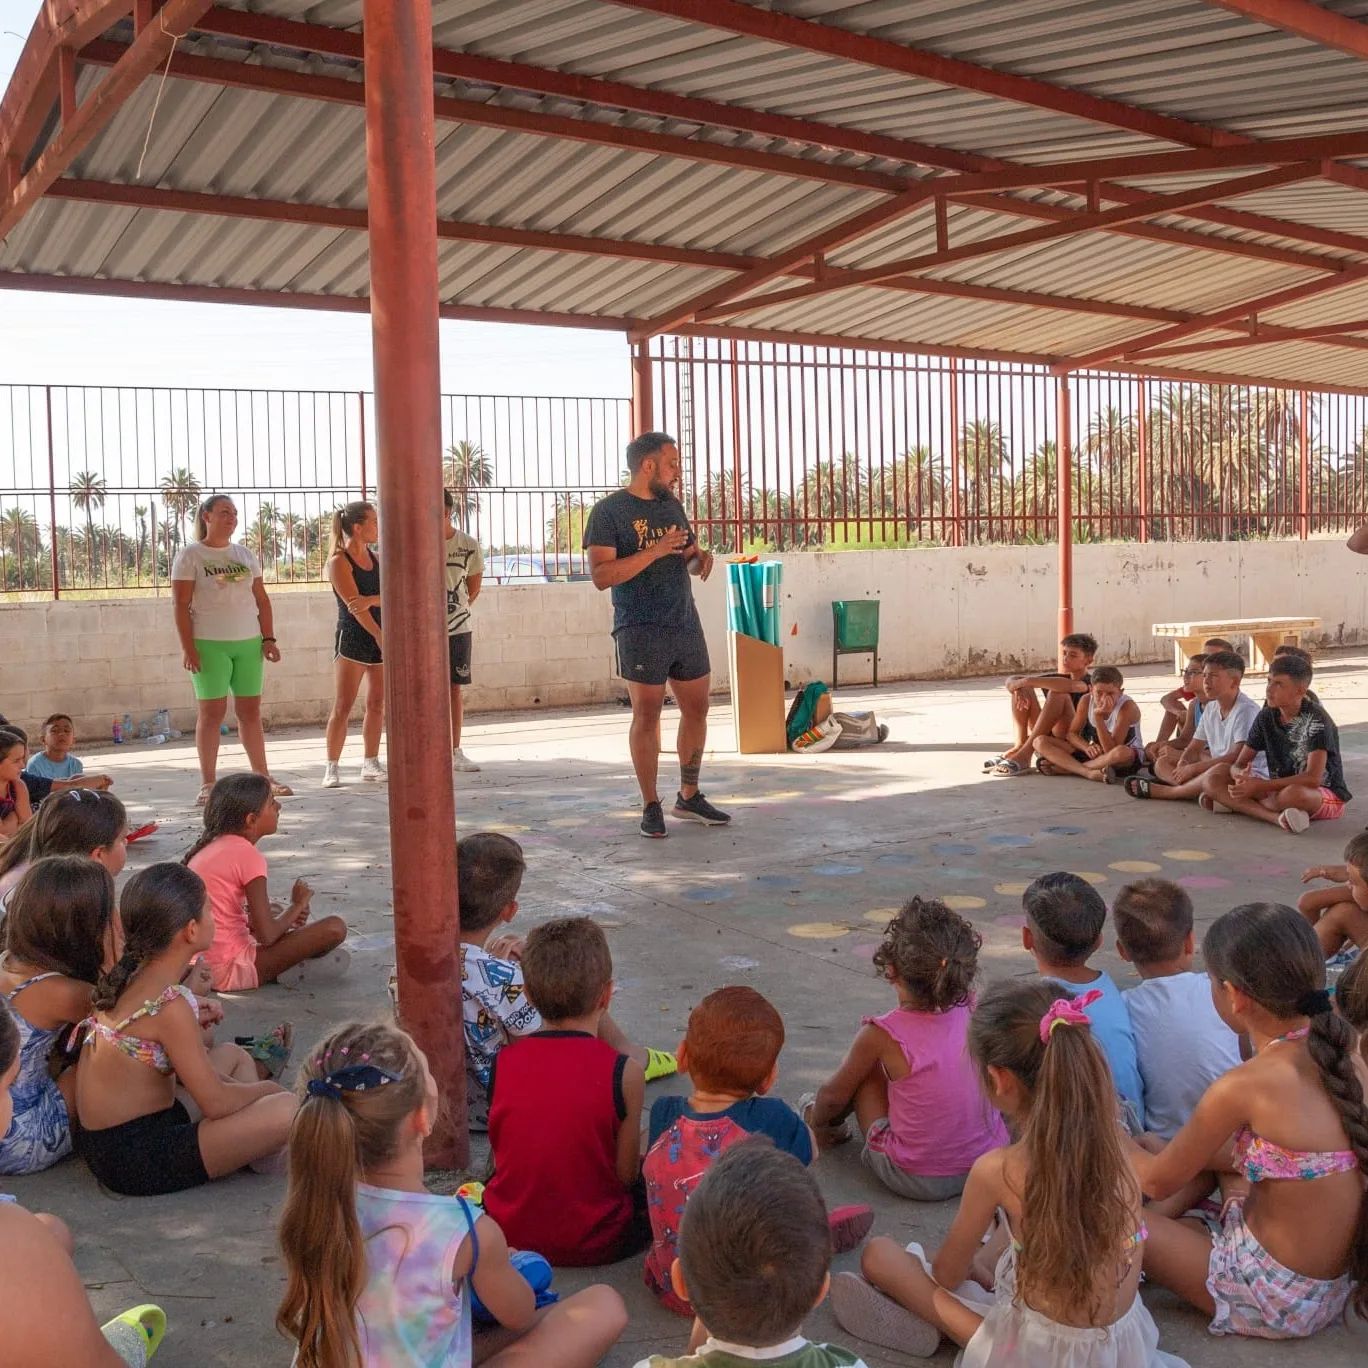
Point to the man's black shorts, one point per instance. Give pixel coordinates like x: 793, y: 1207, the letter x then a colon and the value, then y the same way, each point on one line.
x: 458, y: 648
x: 651, y: 655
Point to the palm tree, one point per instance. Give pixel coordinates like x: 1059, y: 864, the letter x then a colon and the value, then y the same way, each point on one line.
x: 20, y: 537
x: 140, y: 514
x: 466, y: 469
x: 180, y: 492
x: 565, y: 527
x: 984, y: 475
x: 88, y: 491
x: 915, y: 493
x: 263, y: 535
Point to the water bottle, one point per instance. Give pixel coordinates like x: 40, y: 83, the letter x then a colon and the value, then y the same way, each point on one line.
x: 118, y: 732
x: 223, y: 729
x: 156, y: 739
x: 128, y: 731
x: 163, y: 721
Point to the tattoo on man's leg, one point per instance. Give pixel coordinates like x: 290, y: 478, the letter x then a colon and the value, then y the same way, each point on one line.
x: 689, y: 771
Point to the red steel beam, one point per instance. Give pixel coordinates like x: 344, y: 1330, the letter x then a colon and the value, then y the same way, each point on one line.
x: 1306, y: 20
x: 1248, y: 309
x: 1202, y: 377
x: 1263, y: 335
x: 1080, y: 223
x: 774, y: 27
x: 457, y: 230
x: 316, y: 38
x: 147, y: 52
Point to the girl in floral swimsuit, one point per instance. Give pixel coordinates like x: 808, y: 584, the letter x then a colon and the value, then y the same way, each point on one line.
x: 1292, y: 1252
x: 144, y: 1040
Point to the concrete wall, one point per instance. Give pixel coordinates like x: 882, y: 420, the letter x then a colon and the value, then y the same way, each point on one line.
x: 945, y: 613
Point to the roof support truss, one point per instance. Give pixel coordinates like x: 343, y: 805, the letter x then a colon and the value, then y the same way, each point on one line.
x: 1306, y: 20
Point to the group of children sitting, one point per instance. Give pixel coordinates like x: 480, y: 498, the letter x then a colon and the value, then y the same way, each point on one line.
x: 1279, y: 763
x: 1086, y: 1131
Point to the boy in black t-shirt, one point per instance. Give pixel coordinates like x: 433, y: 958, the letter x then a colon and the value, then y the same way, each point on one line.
x: 1301, y: 745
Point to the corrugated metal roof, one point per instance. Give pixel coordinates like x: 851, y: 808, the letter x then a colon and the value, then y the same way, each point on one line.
x: 1183, y: 59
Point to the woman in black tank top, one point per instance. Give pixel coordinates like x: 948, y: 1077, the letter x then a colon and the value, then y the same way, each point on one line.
x: 354, y: 573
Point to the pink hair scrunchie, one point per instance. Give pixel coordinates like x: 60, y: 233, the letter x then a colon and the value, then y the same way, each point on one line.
x: 1068, y: 1012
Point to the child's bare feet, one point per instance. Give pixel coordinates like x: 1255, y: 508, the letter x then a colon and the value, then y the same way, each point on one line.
x: 827, y: 1136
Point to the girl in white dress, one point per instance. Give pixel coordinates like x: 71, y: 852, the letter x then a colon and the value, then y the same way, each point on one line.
x: 1067, y: 1200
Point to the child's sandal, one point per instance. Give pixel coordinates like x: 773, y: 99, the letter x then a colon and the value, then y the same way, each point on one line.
x: 1137, y: 788
x: 1006, y: 769
x: 137, y: 1334
x: 272, y: 1050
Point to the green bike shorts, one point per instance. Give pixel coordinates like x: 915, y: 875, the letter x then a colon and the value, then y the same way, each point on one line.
x: 229, y: 667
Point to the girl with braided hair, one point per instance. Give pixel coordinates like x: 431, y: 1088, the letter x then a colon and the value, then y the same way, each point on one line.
x: 381, y: 1273
x: 144, y: 1041
x: 1291, y: 1252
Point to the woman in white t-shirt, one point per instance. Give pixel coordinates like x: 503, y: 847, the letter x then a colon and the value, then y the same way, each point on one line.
x: 223, y: 619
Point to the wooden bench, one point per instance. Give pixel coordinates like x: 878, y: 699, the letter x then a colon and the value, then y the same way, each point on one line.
x: 1265, y: 636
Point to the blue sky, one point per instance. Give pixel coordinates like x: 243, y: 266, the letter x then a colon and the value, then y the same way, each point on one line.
x: 69, y: 339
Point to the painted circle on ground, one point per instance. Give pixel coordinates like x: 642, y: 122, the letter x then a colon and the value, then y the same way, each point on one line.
x: 1135, y: 866
x: 1011, y: 890
x: 507, y: 828
x: 881, y: 916
x: 818, y: 930
x: 954, y: 848
x: 1089, y: 877
x: 1193, y: 855
x: 707, y: 895
x: 963, y: 902
x: 777, y: 880
x: 1010, y: 841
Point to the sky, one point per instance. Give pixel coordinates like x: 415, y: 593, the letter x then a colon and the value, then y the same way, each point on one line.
x: 75, y: 340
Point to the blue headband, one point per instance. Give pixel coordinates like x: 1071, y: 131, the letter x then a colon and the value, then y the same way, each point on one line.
x: 353, y: 1078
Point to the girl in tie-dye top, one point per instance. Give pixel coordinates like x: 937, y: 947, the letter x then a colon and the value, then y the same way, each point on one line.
x: 381, y: 1271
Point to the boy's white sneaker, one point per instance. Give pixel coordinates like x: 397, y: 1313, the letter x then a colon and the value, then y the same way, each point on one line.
x: 1294, y: 820
x: 332, y: 775
x: 462, y: 763
x: 372, y: 771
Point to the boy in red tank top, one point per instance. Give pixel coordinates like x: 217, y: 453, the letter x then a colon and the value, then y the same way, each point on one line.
x: 564, y: 1112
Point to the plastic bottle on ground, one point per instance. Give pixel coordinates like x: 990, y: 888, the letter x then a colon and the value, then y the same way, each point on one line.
x: 118, y: 732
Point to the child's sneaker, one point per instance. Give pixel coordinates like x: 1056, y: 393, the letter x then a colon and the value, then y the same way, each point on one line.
x: 372, y: 771
x: 1294, y: 820
x: 332, y: 775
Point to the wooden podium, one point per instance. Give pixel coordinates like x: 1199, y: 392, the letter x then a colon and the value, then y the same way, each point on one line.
x: 757, y: 689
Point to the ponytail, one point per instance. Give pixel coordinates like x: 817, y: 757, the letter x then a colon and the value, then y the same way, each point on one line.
x: 346, y: 520
x: 157, y: 904
x: 1081, y: 1198
x: 1270, y: 952
x: 232, y: 800
x: 201, y: 525
x: 337, y: 1133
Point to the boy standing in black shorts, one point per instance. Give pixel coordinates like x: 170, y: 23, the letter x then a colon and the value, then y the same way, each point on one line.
x: 464, y: 574
x: 641, y: 547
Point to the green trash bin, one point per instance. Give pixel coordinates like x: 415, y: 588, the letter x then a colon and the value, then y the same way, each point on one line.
x: 854, y: 631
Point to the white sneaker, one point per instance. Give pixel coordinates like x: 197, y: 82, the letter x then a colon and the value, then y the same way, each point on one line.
x: 462, y: 763
x: 332, y: 775
x: 372, y: 771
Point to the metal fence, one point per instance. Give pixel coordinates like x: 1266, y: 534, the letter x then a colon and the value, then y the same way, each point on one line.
x: 784, y: 448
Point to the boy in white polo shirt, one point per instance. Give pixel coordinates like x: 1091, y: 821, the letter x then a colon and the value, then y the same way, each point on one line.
x: 1181, y: 1044
x: 1227, y: 716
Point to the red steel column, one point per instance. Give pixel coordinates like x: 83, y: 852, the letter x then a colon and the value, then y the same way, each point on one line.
x: 1142, y: 454
x: 956, y: 525
x: 1303, y: 465
x: 361, y: 429
x: 400, y: 178
x: 52, y: 506
x: 1064, y: 480
x: 643, y: 391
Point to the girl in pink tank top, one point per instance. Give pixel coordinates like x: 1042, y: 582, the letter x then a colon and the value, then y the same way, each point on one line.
x: 907, y: 1076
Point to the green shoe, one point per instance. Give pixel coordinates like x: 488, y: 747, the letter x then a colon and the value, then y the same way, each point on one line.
x: 136, y: 1335
x: 660, y: 1064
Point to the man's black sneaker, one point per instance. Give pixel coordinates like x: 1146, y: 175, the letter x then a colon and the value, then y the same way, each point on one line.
x: 698, y: 809
x: 653, y: 821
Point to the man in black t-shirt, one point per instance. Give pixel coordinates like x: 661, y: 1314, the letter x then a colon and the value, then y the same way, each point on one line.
x: 641, y: 547
x: 1301, y: 745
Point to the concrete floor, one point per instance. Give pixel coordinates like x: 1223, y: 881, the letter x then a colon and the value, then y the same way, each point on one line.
x: 788, y: 899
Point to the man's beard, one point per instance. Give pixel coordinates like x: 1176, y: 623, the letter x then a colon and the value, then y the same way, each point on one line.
x: 660, y: 490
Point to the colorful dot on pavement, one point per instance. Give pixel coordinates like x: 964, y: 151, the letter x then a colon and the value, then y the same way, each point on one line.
x: 776, y: 880
x: 881, y: 916
x: 1088, y: 877
x: 1135, y: 867
x: 707, y: 895
x: 1010, y: 842
x: 954, y: 848
x: 507, y: 828
x: 818, y: 930
x: 1011, y: 890
x: 1193, y: 855
x: 962, y: 902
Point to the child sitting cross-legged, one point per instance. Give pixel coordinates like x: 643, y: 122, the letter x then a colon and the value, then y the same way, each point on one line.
x: 1064, y: 920
x: 1103, y: 742
x: 59, y: 933
x: 1035, y: 718
x: 1066, y: 1285
x: 494, y: 1006
x: 1299, y: 743
x: 1182, y: 710
x: 1340, y: 914
x: 381, y: 1273
x: 564, y: 1112
x: 1227, y: 717
x: 55, y: 761
x: 753, y: 1260
x: 15, y: 808
x: 81, y: 822
x: 1287, y: 1257
x: 906, y: 1076
x: 731, y: 1054
x: 255, y: 940
x: 1181, y: 1043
